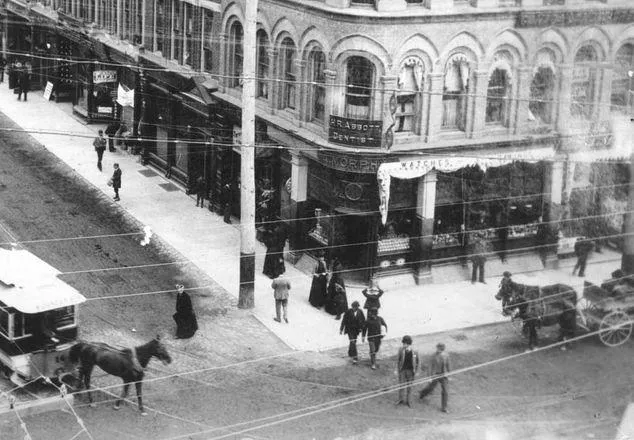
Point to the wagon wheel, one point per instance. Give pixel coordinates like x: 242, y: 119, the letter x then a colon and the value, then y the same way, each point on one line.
x: 615, y: 328
x: 586, y: 311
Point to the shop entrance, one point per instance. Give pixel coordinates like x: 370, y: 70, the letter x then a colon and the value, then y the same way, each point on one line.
x: 354, y: 240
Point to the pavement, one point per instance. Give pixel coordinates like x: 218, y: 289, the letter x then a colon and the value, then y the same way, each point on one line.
x: 202, y: 237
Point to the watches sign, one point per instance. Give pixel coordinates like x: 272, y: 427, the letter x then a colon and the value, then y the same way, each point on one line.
x: 355, y: 132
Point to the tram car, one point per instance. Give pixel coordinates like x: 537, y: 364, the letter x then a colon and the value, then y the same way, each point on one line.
x: 38, y: 318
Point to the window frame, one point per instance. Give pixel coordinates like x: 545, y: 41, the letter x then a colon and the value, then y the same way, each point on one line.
x: 353, y: 91
x: 501, y: 100
x: 263, y: 65
x: 460, y: 120
x: 317, y: 78
x: 288, y: 75
x: 584, y: 109
x: 236, y: 55
x: 401, y: 115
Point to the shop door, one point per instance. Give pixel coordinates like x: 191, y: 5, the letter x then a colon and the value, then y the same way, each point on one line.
x: 353, y: 240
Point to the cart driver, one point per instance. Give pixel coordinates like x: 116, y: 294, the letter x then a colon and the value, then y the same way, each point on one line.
x: 44, y: 329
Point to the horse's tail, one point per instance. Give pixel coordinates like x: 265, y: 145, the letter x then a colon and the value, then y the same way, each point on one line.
x: 75, y: 352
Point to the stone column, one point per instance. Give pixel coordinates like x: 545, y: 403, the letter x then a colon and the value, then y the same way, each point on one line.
x: 554, y: 210
x: 523, y: 91
x: 301, y: 88
x: 426, y: 203
x: 332, y: 91
x: 299, y: 189
x: 433, y: 108
x: 384, y: 112
x: 477, y: 104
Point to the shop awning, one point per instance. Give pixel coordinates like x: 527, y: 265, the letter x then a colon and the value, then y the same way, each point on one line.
x: 417, y: 167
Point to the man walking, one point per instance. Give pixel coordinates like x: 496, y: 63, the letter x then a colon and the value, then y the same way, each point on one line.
x: 372, y: 329
x: 116, y: 181
x: 24, y: 83
x: 478, y: 259
x: 352, y: 324
x: 438, y: 368
x: 201, y: 191
x: 406, y: 369
x: 100, y: 146
x: 583, y: 247
x: 281, y: 286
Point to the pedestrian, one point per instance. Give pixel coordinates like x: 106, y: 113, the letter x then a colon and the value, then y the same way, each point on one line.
x: 372, y: 329
x: 319, y: 285
x: 406, y: 367
x: 337, y: 299
x: 583, y: 247
x: 111, y: 130
x: 281, y: 286
x: 116, y: 181
x: 542, y: 240
x: 274, y: 240
x: 226, y: 202
x: 24, y: 83
x: 186, y: 323
x: 3, y: 66
x: 478, y: 258
x: 100, y: 146
x: 439, y: 366
x: 352, y: 324
x: 463, y: 238
x: 201, y: 191
x: 372, y: 295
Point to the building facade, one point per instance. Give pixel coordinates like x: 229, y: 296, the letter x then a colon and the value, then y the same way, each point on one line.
x: 483, y: 116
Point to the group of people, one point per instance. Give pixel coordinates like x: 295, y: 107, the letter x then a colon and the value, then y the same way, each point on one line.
x: 328, y: 288
x: 19, y: 76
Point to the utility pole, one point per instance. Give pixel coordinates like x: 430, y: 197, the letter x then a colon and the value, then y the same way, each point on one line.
x: 247, y: 160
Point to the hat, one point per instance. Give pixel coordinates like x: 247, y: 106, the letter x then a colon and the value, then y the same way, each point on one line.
x: 507, y: 274
x: 407, y: 339
x: 355, y: 303
x: 440, y: 346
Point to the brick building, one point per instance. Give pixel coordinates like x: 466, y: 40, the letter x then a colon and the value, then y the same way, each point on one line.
x: 483, y: 115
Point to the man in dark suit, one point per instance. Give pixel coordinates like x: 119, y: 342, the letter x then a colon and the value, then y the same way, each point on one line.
x: 352, y: 324
x: 583, y: 247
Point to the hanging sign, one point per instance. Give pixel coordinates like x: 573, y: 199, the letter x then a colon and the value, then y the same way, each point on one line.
x: 125, y: 97
x: 104, y: 76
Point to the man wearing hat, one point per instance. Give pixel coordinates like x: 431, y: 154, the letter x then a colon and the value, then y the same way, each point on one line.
x: 439, y: 366
x: 406, y: 369
x: 352, y: 324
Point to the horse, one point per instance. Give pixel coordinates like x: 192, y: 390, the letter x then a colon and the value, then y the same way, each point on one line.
x: 540, y: 306
x: 128, y: 364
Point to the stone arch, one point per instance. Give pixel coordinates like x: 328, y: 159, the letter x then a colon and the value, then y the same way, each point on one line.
x: 593, y: 36
x: 511, y: 41
x: 555, y: 40
x: 466, y: 43
x: 547, y: 56
x: 232, y: 12
x: 420, y: 46
x: 310, y: 38
x: 362, y: 46
x: 282, y: 29
x: 625, y: 37
x: 264, y: 23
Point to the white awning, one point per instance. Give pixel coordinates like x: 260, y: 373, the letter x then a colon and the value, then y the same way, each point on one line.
x: 30, y: 285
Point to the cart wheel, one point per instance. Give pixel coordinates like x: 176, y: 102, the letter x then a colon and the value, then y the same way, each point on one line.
x: 615, y: 328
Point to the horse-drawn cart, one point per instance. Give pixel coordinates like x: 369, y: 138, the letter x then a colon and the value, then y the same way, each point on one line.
x: 608, y: 309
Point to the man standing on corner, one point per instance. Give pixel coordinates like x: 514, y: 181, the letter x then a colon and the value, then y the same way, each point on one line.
x: 116, y: 181
x: 100, y: 146
x: 406, y: 370
x: 438, y: 368
x: 352, y: 324
x: 281, y: 286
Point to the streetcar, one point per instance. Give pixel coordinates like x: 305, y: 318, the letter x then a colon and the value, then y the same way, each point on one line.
x: 38, y: 318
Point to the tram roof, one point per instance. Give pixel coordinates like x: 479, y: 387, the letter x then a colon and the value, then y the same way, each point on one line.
x: 31, y: 285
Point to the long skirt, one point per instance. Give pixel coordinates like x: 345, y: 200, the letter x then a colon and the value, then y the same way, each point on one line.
x: 186, y: 325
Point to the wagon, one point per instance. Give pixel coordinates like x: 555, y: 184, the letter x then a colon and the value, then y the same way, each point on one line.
x: 608, y: 309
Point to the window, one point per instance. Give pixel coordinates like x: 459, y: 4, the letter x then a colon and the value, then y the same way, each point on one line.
x: 497, y: 97
x: 408, y: 98
x: 622, y: 97
x: 542, y: 92
x: 359, y: 80
x: 584, y: 76
x: 127, y: 20
x: 188, y: 55
x: 235, y: 54
x: 160, y: 26
x: 263, y: 65
x: 317, y: 77
x: 177, y: 31
x: 288, y: 74
x: 454, y: 98
x: 207, y: 40
x: 137, y: 32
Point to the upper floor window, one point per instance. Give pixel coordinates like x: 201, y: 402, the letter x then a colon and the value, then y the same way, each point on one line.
x: 177, y: 31
x: 159, y: 31
x: 208, y: 19
x: 622, y: 97
x: 542, y: 94
x: 408, y: 98
x: 288, y: 73
x: 236, y: 54
x: 263, y: 64
x: 188, y: 34
x: 359, y: 82
x: 454, y: 98
x: 584, y: 77
x: 317, y: 78
x: 497, y: 97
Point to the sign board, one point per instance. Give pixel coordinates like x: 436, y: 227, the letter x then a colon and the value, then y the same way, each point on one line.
x: 355, y: 132
x: 104, y: 76
x: 106, y: 110
x: 48, y: 90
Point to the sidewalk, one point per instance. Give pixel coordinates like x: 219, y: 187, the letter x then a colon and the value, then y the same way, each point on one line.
x: 214, y: 246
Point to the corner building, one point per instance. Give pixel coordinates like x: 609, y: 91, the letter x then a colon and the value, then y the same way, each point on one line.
x: 403, y: 123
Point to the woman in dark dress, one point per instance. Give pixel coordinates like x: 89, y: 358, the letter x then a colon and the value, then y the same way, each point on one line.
x: 186, y: 323
x: 337, y: 300
x: 318, y: 288
x: 274, y: 259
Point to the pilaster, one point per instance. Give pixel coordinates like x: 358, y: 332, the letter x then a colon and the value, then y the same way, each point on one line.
x: 433, y: 105
x: 426, y: 202
x: 299, y: 189
x: 331, y: 104
x: 476, y: 104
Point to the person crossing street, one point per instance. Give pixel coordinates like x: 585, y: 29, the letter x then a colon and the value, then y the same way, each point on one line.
x: 352, y: 324
x: 406, y: 367
x: 439, y: 366
x: 372, y: 329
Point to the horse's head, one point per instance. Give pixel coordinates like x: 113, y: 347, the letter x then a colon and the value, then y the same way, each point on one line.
x: 159, y: 351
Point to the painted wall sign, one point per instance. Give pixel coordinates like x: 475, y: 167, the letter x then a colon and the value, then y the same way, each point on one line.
x: 355, y: 132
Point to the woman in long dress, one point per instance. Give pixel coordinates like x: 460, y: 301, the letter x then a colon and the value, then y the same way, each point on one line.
x: 337, y: 300
x: 318, y: 288
x: 186, y: 323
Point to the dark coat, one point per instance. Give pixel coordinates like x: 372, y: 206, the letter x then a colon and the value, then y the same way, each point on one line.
x: 186, y: 323
x: 372, y: 299
x: 116, y: 178
x: 337, y: 299
x: 274, y: 259
x: 319, y: 286
x: 351, y: 323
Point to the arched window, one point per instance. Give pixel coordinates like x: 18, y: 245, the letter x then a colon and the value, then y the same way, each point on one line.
x: 289, y: 76
x: 584, y: 77
x: 408, y: 99
x: 497, y: 97
x: 236, y: 55
x: 542, y: 92
x: 263, y: 64
x: 454, y: 98
x: 622, y: 97
x: 359, y: 81
x: 316, y: 66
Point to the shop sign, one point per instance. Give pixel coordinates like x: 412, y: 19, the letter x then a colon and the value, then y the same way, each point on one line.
x: 104, y: 76
x: 349, y: 163
x: 106, y: 110
x: 355, y: 132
